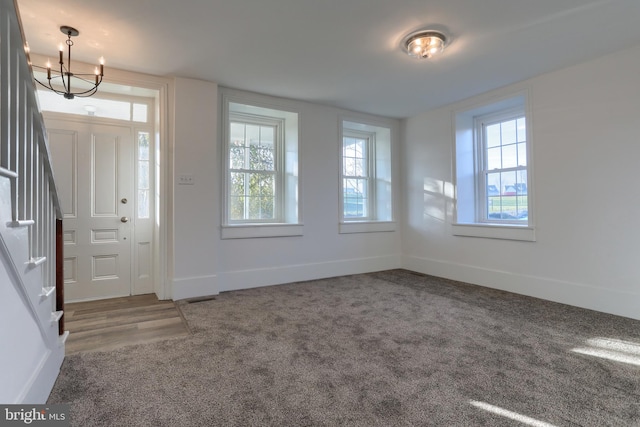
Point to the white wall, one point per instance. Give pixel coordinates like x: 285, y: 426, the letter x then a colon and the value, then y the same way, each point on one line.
x: 205, y: 264
x: 585, y: 127
x: 24, y: 360
x: 31, y: 350
x: 194, y: 216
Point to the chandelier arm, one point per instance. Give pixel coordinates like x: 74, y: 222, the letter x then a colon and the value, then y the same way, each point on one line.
x: 86, y: 94
x: 50, y: 87
x: 94, y: 89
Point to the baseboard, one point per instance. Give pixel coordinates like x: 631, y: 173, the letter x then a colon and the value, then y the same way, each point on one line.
x: 245, y: 279
x: 38, y: 388
x: 191, y: 287
x: 576, y: 294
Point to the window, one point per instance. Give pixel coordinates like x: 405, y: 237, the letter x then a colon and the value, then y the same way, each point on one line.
x: 261, y: 170
x: 356, y: 172
x: 502, y: 164
x: 96, y: 107
x: 144, y: 175
x: 254, y: 180
x: 365, y: 178
x: 493, y: 170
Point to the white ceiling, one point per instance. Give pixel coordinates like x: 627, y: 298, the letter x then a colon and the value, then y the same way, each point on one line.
x: 338, y: 52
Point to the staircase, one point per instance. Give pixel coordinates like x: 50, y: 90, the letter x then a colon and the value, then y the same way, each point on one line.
x: 31, y: 336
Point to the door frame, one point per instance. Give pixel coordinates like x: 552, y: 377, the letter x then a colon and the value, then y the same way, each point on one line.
x: 119, y: 81
x: 74, y: 124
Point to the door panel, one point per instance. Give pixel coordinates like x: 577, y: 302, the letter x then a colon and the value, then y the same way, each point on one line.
x: 95, y: 161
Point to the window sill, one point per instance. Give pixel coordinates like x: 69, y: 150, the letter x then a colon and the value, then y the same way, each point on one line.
x: 253, y: 231
x: 495, y: 231
x: 366, y: 227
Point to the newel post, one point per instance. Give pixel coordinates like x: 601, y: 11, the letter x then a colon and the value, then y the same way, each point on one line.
x: 60, y: 274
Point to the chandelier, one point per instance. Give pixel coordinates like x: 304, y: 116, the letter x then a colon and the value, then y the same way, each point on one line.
x: 64, y: 77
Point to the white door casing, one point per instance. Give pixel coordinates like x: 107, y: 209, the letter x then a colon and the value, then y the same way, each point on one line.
x: 94, y: 164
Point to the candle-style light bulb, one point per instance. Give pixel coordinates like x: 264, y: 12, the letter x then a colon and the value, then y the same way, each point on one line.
x: 101, y: 66
x: 60, y: 51
x: 48, y: 69
x: 97, y: 74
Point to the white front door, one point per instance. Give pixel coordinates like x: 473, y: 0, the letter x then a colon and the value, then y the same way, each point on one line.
x: 94, y: 167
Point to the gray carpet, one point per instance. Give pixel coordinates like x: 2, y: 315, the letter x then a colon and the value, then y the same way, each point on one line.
x: 382, y: 349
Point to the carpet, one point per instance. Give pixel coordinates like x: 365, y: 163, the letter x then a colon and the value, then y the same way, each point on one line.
x: 392, y: 348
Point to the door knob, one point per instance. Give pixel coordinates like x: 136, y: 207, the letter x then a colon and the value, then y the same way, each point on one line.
x: 124, y: 219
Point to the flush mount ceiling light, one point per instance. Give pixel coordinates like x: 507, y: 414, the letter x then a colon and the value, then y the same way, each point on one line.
x: 424, y: 44
x: 87, y: 83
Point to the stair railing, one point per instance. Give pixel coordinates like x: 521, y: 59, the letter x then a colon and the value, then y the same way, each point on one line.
x: 25, y: 157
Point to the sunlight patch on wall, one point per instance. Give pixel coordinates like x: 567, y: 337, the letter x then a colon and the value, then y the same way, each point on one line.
x: 612, y: 349
x: 438, y: 198
x: 510, y: 414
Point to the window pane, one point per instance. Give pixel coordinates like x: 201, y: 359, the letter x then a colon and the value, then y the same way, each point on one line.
x: 140, y: 113
x: 143, y: 204
x: 143, y: 175
x: 261, y: 185
x: 493, y: 135
x: 494, y: 158
x: 508, y: 132
x: 494, y: 198
x: 260, y: 208
x: 236, y: 208
x: 237, y: 146
x: 238, y: 192
x: 267, y: 136
x: 522, y: 130
x: 111, y: 109
x: 253, y: 135
x: 236, y: 187
x: 522, y: 209
x: 355, y: 198
x: 509, y: 156
x: 261, y: 196
x: 143, y: 145
x: 236, y: 155
x: 522, y: 154
x: 354, y: 155
x: 261, y: 158
x: 236, y: 131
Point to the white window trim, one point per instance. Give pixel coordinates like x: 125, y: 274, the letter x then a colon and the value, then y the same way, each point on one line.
x: 367, y: 227
x: 465, y: 144
x: 480, y: 122
x: 252, y: 231
x: 372, y: 224
x: 286, y: 226
x: 278, y: 173
x: 370, y: 137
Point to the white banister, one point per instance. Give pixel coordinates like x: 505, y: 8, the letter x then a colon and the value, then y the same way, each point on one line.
x: 30, y: 228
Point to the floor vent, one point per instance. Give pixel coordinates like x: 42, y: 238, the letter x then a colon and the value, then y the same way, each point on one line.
x: 202, y: 299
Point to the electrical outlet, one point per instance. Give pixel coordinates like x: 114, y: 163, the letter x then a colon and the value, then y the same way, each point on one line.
x: 186, y: 180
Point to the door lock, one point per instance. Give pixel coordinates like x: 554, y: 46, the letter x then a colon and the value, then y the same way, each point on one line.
x: 124, y: 219
x: 124, y: 201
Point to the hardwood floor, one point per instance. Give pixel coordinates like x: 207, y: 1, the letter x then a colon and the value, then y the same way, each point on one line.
x: 112, y: 323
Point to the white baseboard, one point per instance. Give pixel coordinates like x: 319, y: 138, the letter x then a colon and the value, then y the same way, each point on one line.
x: 192, y: 287
x: 245, y: 279
x: 38, y: 388
x: 576, y: 294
